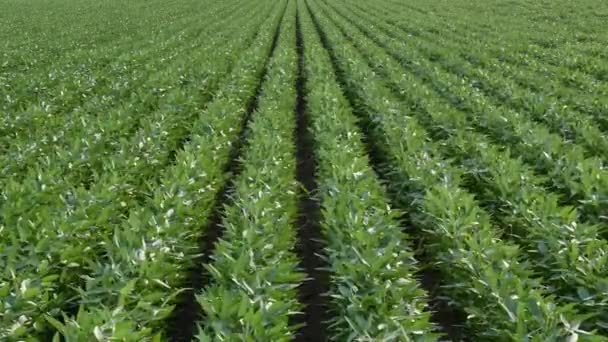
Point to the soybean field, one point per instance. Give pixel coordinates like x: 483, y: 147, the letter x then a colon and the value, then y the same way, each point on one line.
x: 303, y: 170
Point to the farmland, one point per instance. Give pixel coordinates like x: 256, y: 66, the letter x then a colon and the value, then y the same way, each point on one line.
x: 308, y: 170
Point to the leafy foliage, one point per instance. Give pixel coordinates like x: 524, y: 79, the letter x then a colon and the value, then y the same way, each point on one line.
x: 466, y: 138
